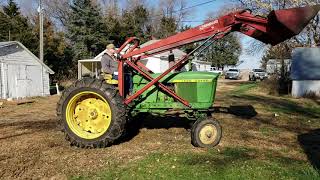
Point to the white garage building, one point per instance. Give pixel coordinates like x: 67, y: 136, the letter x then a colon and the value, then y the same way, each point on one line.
x: 22, y: 74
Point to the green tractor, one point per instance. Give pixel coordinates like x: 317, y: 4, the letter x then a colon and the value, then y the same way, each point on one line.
x: 94, y: 112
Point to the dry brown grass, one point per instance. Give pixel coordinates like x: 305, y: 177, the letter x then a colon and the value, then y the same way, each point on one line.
x: 32, y: 146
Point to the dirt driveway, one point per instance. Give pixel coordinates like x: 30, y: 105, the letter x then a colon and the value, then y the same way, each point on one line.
x: 32, y: 147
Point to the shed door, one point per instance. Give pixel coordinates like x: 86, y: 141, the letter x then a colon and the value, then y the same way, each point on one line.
x: 12, y: 83
x: 35, y: 81
x: 24, y: 81
x: 18, y: 83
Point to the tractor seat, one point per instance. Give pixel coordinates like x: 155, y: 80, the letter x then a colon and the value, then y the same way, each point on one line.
x: 108, y: 79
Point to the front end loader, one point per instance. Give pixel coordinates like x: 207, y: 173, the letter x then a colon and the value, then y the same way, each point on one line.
x: 94, y: 112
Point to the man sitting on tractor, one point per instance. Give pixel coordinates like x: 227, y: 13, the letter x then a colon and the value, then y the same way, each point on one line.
x: 109, y: 68
x: 109, y: 65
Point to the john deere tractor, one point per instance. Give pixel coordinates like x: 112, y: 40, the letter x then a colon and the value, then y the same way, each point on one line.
x: 94, y: 112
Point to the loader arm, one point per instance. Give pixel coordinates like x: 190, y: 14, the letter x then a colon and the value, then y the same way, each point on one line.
x: 277, y: 27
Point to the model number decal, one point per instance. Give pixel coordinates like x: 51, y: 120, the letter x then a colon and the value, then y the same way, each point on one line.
x: 208, y: 25
x: 192, y: 80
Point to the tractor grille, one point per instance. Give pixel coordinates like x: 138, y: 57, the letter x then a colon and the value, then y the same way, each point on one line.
x: 188, y: 91
x: 231, y: 74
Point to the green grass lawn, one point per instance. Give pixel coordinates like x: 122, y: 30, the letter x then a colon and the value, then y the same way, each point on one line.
x: 232, y: 161
x: 243, y: 88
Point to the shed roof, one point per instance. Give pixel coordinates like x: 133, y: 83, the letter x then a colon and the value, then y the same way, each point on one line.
x: 305, y: 64
x: 3, y: 44
x: 8, y: 43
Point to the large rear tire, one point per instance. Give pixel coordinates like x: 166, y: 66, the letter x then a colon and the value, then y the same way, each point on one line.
x: 91, y: 113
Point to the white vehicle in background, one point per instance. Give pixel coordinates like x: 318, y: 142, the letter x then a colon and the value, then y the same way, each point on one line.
x: 257, y: 74
x: 232, y: 74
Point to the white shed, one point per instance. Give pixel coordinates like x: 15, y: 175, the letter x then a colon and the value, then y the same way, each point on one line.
x: 159, y: 62
x: 274, y: 66
x: 305, y: 71
x: 22, y: 74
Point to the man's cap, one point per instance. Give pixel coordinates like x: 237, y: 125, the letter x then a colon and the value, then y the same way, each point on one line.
x: 110, y: 46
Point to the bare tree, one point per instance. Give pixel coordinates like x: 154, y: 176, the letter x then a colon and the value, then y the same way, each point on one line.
x: 176, y: 9
x: 59, y: 10
x: 111, y: 8
x: 131, y: 4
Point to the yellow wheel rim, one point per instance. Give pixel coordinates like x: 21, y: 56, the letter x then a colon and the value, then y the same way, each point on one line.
x: 208, y: 134
x: 88, y: 115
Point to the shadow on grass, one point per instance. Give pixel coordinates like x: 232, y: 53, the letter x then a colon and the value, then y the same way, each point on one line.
x: 310, y: 142
x: 225, y: 158
x: 30, y: 127
x: 149, y: 121
x: 280, y: 105
x: 243, y: 111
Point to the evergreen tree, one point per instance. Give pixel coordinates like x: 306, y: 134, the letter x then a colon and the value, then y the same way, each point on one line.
x: 134, y: 23
x: 12, y: 9
x: 4, y: 27
x: 114, y: 28
x: 225, y: 51
x: 168, y: 27
x: 16, y: 26
x: 130, y: 22
x: 86, y: 29
x: 112, y: 20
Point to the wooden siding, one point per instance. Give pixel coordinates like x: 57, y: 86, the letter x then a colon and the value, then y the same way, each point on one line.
x: 1, y: 81
x: 15, y: 54
x: 46, y: 82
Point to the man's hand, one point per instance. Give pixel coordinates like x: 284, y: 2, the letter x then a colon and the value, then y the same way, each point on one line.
x: 117, y: 56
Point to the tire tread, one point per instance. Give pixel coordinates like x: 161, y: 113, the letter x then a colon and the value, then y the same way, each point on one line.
x: 116, y: 103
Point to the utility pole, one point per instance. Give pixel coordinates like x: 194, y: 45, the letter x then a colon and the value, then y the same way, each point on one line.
x: 40, y: 10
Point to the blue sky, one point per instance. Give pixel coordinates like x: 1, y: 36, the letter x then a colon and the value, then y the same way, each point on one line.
x: 250, y: 61
x: 196, y: 14
x: 201, y: 12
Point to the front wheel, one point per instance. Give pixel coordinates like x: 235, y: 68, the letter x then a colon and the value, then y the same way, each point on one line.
x: 91, y: 113
x: 206, y: 133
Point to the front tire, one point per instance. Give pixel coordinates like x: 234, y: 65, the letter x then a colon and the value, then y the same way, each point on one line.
x: 91, y: 113
x: 254, y: 78
x: 206, y: 133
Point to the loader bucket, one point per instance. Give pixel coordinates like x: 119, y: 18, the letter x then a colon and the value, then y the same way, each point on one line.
x: 286, y: 23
